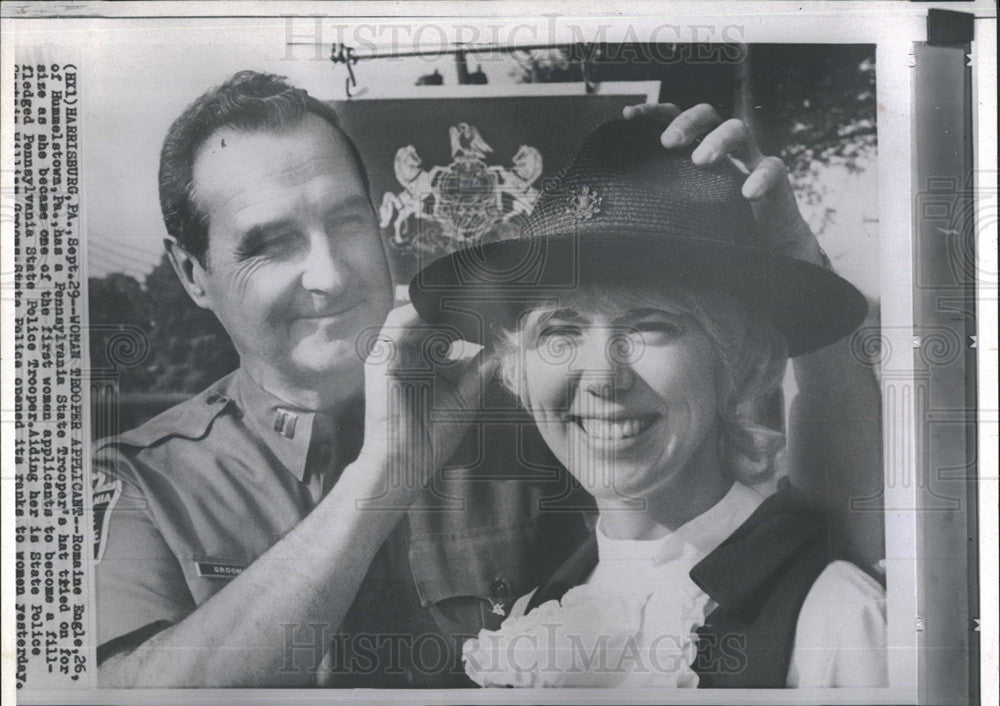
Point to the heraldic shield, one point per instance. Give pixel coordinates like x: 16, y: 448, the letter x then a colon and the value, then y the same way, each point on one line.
x: 465, y: 202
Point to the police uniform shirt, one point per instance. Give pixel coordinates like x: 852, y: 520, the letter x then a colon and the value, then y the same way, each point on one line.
x: 190, y: 499
x: 195, y: 495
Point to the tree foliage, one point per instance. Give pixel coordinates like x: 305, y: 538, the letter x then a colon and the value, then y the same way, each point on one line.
x: 815, y: 106
x: 186, y: 348
x: 812, y: 104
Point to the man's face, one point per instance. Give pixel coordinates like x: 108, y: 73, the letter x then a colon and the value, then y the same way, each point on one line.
x: 295, y: 269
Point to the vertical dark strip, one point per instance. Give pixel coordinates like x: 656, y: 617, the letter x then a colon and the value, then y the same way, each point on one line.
x: 944, y: 313
x: 971, y: 390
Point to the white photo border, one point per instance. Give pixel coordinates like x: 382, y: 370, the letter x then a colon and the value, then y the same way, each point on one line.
x: 892, y: 27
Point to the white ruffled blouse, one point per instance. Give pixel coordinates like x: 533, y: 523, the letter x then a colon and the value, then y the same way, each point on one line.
x: 633, y: 623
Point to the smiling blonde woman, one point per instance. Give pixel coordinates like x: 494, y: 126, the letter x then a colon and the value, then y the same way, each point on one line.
x: 645, y: 327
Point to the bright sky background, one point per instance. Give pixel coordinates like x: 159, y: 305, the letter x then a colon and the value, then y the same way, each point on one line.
x: 137, y: 80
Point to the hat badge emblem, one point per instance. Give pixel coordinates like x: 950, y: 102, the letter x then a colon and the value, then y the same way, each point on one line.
x: 584, y: 204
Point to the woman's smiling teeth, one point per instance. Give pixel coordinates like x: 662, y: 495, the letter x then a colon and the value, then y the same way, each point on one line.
x: 614, y: 428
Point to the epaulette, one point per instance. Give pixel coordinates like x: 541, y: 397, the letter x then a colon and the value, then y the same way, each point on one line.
x: 189, y: 419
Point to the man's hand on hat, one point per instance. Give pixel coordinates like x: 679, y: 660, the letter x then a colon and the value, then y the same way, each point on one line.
x: 419, y: 397
x: 766, y: 187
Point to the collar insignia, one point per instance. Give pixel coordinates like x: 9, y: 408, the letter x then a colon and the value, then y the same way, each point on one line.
x: 284, y: 423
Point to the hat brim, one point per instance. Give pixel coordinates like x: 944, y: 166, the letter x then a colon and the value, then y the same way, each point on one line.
x: 482, y: 290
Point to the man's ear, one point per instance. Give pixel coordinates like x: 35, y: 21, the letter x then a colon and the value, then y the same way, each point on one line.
x: 189, y: 271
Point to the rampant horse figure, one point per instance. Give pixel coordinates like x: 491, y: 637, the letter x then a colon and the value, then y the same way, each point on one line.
x: 418, y: 185
x: 518, y: 183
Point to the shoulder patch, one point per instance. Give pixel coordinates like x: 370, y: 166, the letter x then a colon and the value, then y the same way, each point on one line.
x: 105, y: 491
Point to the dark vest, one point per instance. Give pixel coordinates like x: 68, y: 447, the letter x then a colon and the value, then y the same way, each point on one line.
x: 759, y: 577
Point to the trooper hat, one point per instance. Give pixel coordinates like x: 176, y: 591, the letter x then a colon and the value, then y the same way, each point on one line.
x: 625, y: 212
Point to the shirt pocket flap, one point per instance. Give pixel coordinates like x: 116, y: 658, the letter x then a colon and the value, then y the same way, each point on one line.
x: 492, y: 565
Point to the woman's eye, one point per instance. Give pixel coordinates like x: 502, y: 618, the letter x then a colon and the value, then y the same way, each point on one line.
x: 557, y: 331
x: 657, y: 331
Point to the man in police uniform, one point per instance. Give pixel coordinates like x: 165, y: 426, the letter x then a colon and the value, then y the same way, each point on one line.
x: 250, y: 538
x: 235, y: 536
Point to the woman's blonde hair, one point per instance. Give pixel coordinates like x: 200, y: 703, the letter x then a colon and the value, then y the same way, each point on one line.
x: 751, y: 352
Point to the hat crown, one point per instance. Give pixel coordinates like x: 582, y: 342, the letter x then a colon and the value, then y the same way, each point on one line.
x: 624, y: 182
x: 626, y: 212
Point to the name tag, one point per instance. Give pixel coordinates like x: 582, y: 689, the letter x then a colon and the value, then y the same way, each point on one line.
x: 218, y: 570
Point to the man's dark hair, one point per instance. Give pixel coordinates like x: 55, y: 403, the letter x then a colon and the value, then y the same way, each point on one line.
x: 249, y: 101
